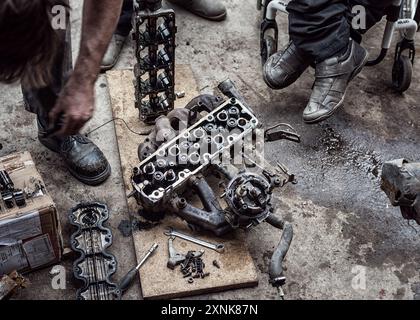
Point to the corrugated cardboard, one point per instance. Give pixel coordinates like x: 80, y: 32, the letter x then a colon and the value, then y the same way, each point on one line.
x: 30, y: 237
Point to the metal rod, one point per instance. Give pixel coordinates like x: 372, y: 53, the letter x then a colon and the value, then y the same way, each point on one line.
x: 147, y: 255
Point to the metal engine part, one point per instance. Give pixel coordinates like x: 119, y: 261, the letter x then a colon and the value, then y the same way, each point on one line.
x: 249, y: 197
x: 172, y: 168
x: 154, y: 37
x: 186, y: 146
x: 168, y: 169
x: 401, y: 183
x: 176, y: 121
x: 222, y: 220
x: 9, y: 194
x: 95, y: 266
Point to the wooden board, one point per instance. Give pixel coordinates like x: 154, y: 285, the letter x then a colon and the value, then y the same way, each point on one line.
x: 157, y: 281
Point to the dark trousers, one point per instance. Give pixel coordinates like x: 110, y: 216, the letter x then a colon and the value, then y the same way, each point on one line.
x: 124, y: 24
x: 41, y: 100
x: 322, y: 28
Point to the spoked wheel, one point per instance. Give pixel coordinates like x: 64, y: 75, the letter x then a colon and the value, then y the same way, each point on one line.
x: 402, y: 72
x: 269, y: 47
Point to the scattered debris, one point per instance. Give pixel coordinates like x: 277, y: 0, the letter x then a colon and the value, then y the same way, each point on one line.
x: 127, y: 227
x: 331, y: 140
x: 180, y: 94
x: 9, y: 284
x: 186, y: 148
x: 193, y: 267
x: 36, y: 189
x: 339, y: 151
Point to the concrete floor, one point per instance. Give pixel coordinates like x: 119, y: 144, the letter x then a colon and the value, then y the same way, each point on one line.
x: 344, y: 225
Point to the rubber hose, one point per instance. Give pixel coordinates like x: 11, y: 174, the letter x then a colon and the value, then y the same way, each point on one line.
x: 275, y: 222
x: 276, y: 264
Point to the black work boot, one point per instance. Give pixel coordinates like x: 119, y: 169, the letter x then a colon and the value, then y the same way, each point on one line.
x: 284, y: 67
x: 83, y: 158
x: 332, y: 77
x: 208, y: 9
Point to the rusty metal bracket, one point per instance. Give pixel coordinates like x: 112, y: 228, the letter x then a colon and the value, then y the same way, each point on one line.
x: 286, y: 132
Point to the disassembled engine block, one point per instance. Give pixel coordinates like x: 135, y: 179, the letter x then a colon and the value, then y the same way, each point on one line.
x: 95, y: 266
x: 154, y: 37
x: 169, y: 170
x: 189, y: 146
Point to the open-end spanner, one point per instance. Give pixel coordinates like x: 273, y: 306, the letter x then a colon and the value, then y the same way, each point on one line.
x: 219, y: 247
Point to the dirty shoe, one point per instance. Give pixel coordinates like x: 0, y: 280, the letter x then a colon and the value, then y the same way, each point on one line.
x: 83, y: 158
x: 284, y: 67
x: 113, y: 53
x: 332, y: 77
x: 208, y: 9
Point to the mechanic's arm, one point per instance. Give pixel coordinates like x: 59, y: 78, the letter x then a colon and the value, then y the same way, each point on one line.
x: 77, y: 100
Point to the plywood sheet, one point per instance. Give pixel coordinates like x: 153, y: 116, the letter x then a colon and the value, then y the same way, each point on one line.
x: 157, y: 281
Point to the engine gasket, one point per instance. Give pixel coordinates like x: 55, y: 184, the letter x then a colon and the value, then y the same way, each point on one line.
x: 95, y: 266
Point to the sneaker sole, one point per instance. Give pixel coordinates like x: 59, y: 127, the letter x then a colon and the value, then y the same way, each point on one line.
x: 341, y: 102
x: 215, y: 18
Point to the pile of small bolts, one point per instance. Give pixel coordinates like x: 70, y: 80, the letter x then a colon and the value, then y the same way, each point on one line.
x: 193, y: 267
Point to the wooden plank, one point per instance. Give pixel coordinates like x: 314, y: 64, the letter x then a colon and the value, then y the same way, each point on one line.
x: 157, y: 281
x: 7, y: 286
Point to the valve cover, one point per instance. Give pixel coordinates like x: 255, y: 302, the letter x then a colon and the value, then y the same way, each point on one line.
x: 95, y: 266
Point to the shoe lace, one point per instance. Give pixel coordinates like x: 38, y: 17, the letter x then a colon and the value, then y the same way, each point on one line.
x: 68, y: 142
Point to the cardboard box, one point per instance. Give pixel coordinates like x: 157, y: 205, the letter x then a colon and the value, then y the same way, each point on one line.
x: 30, y: 236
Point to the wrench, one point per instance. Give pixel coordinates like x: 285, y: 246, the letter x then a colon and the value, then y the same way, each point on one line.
x: 219, y: 247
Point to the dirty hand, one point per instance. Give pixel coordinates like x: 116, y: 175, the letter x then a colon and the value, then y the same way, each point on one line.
x: 75, y: 105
